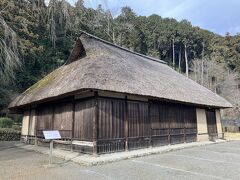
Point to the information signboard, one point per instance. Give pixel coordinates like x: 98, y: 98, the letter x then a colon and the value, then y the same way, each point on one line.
x: 51, y: 135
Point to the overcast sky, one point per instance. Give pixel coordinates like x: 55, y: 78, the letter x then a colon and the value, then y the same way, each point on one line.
x: 219, y: 16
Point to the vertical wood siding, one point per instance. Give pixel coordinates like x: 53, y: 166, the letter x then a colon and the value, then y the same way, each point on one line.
x: 111, y: 119
x: 190, y: 117
x: 172, y: 123
x: 159, y: 124
x: 55, y: 117
x: 83, y: 124
x: 63, y: 119
x: 158, y: 116
x: 44, y: 119
x: 138, y: 119
x: 190, y: 120
x: 111, y: 125
x: 175, y: 117
x: 149, y: 123
x: 138, y: 125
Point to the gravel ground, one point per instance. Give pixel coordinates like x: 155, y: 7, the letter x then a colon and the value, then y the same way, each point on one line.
x: 217, y: 161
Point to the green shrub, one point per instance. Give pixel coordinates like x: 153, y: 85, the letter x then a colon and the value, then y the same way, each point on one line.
x: 16, y: 127
x: 6, y: 122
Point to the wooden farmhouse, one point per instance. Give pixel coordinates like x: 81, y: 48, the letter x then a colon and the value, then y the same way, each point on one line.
x: 107, y: 99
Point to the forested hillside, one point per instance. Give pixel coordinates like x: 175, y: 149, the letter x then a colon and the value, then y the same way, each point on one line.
x: 36, y: 38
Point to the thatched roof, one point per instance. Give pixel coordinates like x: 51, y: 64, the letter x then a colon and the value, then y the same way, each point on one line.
x: 100, y: 65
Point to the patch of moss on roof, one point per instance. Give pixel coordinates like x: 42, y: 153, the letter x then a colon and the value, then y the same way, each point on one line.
x: 45, y: 81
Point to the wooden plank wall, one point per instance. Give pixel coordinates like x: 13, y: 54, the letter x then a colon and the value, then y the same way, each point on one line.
x: 190, y: 124
x: 59, y: 116
x: 83, y: 123
x: 172, y: 123
x: 63, y: 119
x: 175, y: 117
x: 112, y: 116
x: 111, y: 125
x: 111, y: 119
x: 149, y: 123
x: 138, y: 125
x: 159, y: 124
x: 55, y: 117
x: 158, y: 116
x: 44, y: 119
x: 138, y: 119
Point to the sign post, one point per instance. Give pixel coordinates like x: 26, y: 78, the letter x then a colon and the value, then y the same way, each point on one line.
x: 51, y: 149
x: 51, y: 135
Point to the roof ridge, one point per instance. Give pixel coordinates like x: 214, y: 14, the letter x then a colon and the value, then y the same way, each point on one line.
x: 125, y: 49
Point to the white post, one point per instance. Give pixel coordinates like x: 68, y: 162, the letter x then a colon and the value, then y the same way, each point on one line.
x: 50, y: 154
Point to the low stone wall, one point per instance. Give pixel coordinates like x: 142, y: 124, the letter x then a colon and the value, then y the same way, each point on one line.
x: 9, y: 135
x: 232, y: 129
x: 231, y: 136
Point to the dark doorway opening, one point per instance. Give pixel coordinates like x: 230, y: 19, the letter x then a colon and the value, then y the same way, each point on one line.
x: 211, y: 124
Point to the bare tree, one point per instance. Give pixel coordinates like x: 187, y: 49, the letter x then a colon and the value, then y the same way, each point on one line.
x: 179, y: 58
x: 195, y: 65
x: 218, y: 78
x: 51, y: 21
x: 202, y: 63
x: 110, y: 27
x: 231, y: 91
x: 57, y: 12
x: 64, y: 16
x: 173, y: 55
x: 186, y: 59
x: 39, y: 7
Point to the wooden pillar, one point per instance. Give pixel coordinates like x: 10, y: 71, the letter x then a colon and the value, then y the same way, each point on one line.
x: 35, y: 128
x: 25, y: 125
x: 28, y: 134
x: 169, y: 123
x: 73, y: 122
x: 150, y: 124
x: 183, y: 111
x: 126, y: 124
x: 95, y: 124
x: 219, y: 123
x: 53, y: 109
